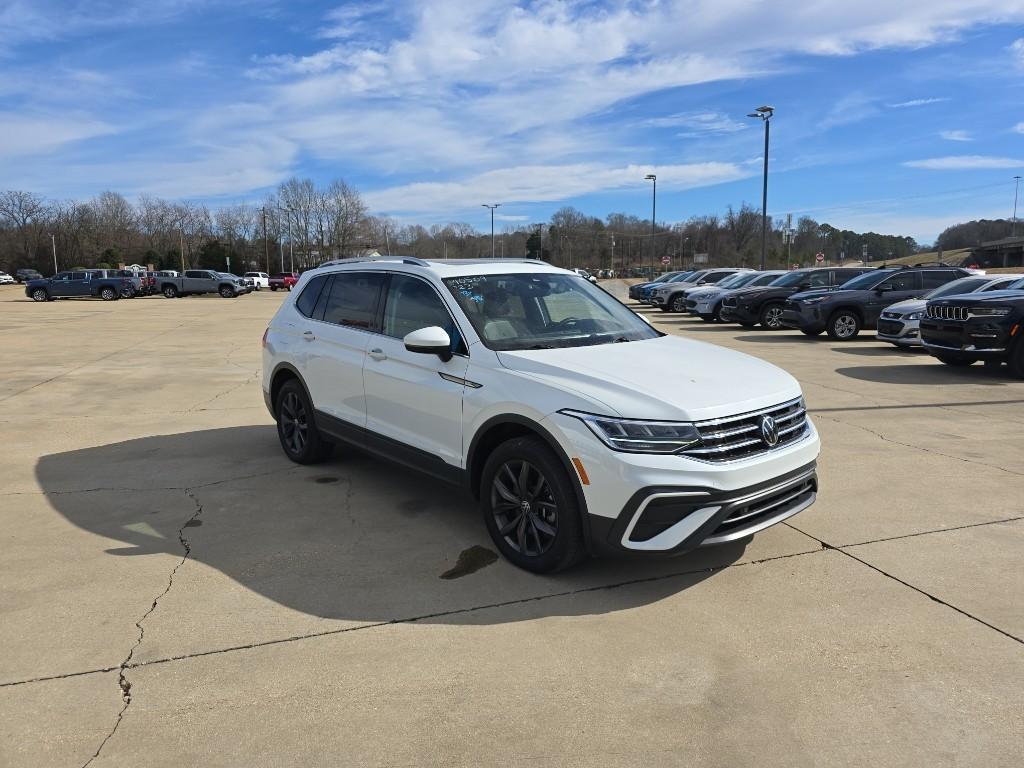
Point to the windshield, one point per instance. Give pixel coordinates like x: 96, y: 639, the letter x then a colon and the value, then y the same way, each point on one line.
x: 1017, y: 286
x: 544, y: 311
x: 680, y: 277
x: 865, y: 280
x: 666, y: 277
x: 792, y: 278
x: 963, y: 285
x: 737, y: 280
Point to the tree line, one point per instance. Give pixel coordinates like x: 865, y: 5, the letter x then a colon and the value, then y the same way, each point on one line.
x: 300, y: 225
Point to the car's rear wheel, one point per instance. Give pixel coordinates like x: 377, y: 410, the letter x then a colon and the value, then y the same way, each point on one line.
x: 843, y: 325
x: 40, y: 294
x: 108, y: 294
x: 530, y: 507
x: 296, y: 427
x: 771, y: 317
x: 170, y: 291
x: 958, y: 361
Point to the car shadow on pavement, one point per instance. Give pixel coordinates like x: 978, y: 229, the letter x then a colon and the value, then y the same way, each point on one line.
x: 781, y: 337
x: 917, y: 375
x: 883, y: 351
x: 355, y: 538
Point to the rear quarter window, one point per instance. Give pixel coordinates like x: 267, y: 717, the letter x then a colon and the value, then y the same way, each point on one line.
x: 307, y: 300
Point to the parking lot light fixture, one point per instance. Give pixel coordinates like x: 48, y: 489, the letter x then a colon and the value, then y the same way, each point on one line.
x: 765, y: 115
x: 653, y: 178
x: 492, y: 207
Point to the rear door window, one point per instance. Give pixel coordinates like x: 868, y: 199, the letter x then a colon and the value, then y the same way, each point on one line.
x: 935, y: 278
x: 903, y: 281
x: 307, y: 300
x: 353, y: 300
x: 818, y: 278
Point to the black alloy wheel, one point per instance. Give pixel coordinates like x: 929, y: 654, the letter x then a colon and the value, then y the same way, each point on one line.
x: 530, y: 506
x: 296, y: 428
x: 170, y: 291
x: 227, y: 292
x: 843, y: 325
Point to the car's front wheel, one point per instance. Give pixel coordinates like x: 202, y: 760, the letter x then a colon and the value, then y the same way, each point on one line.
x: 678, y: 303
x: 227, y: 292
x: 771, y: 317
x: 530, y: 506
x: 296, y: 427
x: 843, y: 325
x: 40, y: 294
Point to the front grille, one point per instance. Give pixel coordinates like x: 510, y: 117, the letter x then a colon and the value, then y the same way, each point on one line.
x: 947, y: 313
x: 691, y: 303
x: 729, y: 301
x: 892, y: 315
x: 766, y: 506
x: 739, y: 437
x: 889, y: 327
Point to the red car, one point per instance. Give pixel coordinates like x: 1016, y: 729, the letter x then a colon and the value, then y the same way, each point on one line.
x: 284, y: 280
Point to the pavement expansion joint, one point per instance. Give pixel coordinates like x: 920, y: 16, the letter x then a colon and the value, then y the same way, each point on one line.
x: 842, y: 550
x: 126, y: 664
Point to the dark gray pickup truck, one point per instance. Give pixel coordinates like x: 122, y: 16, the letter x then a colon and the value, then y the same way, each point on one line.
x: 69, y: 284
x: 201, y: 281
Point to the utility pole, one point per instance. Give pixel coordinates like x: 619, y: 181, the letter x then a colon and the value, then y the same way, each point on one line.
x: 266, y: 245
x: 1016, y: 189
x: 765, y: 114
x: 492, y: 207
x: 280, y: 240
x: 654, y: 201
x: 53, y: 242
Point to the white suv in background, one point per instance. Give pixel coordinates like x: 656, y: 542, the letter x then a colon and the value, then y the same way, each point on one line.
x: 577, y: 425
x: 259, y: 279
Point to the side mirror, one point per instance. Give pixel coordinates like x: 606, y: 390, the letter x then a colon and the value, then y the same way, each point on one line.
x: 883, y: 289
x: 431, y: 340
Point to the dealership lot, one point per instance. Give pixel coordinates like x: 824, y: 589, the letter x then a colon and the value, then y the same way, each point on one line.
x: 174, y: 590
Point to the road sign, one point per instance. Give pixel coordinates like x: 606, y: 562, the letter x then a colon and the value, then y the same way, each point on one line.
x: 819, y: 257
x: 666, y: 260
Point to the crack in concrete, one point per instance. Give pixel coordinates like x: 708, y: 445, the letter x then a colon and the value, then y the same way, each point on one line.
x: 937, y: 530
x: 422, y: 617
x: 882, y: 437
x: 825, y: 546
x: 126, y: 664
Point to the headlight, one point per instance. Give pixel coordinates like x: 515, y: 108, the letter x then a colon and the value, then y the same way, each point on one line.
x: 914, y: 316
x: 634, y: 436
x: 814, y: 300
x: 988, y: 311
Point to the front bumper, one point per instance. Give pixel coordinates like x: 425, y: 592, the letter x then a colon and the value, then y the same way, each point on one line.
x: 740, y: 313
x: 691, y: 498
x: 899, y: 331
x: 803, y: 317
x: 985, y: 338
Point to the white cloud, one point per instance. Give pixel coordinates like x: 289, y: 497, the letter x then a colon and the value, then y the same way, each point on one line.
x: 917, y: 102
x: 697, y: 123
x: 544, y: 183
x: 957, y: 135
x: 26, y: 135
x: 1018, y: 128
x: 1017, y: 51
x: 966, y: 163
x: 510, y: 217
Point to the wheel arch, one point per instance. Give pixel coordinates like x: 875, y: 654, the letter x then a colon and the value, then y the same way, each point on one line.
x: 858, y: 311
x: 282, y: 374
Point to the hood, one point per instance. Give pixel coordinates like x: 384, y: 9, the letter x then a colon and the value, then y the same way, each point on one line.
x: 665, y: 378
x: 811, y: 294
x: 704, y: 291
x: 974, y: 299
x: 906, y: 307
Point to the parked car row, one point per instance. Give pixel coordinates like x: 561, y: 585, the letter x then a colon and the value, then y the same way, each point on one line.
x: 112, y: 284
x: 958, y: 315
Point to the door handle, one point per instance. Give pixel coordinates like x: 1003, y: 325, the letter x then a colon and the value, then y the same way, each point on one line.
x: 308, y: 335
x: 377, y: 354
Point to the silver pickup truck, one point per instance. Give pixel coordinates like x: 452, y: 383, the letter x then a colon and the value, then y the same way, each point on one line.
x: 201, y: 281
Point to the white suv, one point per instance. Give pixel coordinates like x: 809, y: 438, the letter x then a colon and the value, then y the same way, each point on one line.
x: 578, y: 426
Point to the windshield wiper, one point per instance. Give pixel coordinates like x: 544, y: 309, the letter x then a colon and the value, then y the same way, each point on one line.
x: 622, y: 340
x: 541, y: 346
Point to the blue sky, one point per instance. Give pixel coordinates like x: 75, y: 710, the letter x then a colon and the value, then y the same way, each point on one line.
x: 894, y: 117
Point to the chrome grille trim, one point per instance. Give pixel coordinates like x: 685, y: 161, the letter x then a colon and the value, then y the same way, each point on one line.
x: 738, y: 437
x: 946, y: 313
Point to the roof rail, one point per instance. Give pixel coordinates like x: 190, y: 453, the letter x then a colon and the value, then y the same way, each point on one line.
x: 362, y: 259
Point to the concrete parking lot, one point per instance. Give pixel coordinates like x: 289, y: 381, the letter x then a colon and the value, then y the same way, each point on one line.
x: 174, y: 591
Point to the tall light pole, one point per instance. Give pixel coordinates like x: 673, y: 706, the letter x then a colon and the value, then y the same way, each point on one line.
x: 492, y: 207
x: 1013, y: 230
x: 53, y: 242
x: 291, y: 244
x: 654, y: 202
x: 765, y: 114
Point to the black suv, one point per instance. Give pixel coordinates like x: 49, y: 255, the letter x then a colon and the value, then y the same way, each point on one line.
x: 750, y: 306
x: 856, y: 304
x: 960, y: 330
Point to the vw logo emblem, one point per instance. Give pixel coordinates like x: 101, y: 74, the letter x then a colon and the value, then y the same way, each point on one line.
x: 769, y: 431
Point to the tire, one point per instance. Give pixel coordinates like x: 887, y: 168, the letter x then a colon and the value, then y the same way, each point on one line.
x: 127, y: 293
x: 108, y: 294
x: 844, y: 325
x: 170, y: 292
x: 227, y: 292
x: 40, y: 294
x: 530, y: 506
x: 677, y: 302
x: 811, y: 333
x: 273, y: 287
x: 1016, y: 360
x: 717, y: 314
x: 296, y: 427
x: 957, y: 361
x: 771, y: 317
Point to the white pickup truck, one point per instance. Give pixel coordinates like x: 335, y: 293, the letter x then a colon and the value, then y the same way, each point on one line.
x: 201, y: 281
